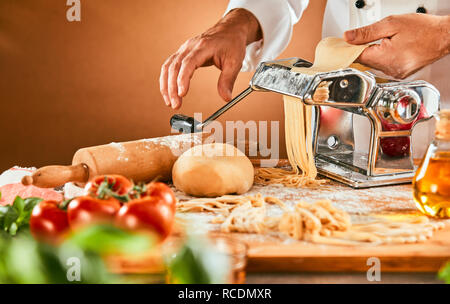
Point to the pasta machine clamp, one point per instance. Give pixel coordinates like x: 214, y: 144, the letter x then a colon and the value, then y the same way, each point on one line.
x: 383, y: 116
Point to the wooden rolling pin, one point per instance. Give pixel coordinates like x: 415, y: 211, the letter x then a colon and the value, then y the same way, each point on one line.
x: 139, y: 160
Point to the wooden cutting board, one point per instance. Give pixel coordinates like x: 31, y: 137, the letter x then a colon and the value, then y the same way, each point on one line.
x: 396, y: 201
x: 422, y: 257
x: 272, y: 254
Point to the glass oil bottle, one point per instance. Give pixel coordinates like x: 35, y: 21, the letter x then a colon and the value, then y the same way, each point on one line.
x: 431, y: 182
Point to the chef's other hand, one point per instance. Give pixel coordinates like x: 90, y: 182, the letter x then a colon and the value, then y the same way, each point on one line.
x: 223, y: 45
x: 408, y: 43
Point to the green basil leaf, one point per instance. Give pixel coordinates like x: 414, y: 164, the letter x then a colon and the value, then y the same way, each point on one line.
x: 197, y: 262
x: 25, y: 261
x: 30, y: 203
x: 13, y: 228
x: 18, y: 204
x: 187, y: 268
x: 104, y: 239
x: 3, y: 210
x: 11, y: 217
x: 444, y: 273
x: 14, y: 217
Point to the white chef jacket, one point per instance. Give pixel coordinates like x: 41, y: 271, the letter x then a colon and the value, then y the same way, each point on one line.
x: 277, y: 18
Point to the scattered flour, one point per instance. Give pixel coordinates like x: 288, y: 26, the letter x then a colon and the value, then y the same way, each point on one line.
x: 121, y: 149
x: 15, y: 175
x: 176, y: 143
x: 118, y: 146
x: 71, y: 191
x: 361, y: 204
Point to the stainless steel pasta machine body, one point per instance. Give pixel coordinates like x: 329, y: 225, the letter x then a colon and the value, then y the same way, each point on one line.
x: 391, y: 109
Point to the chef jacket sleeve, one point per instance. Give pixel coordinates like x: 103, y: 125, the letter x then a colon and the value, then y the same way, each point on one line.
x: 276, y: 18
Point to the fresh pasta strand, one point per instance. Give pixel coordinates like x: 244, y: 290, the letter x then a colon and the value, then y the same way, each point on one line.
x: 223, y: 204
x: 331, y: 54
x: 319, y: 222
x: 245, y: 218
x: 299, y: 149
x: 266, y: 176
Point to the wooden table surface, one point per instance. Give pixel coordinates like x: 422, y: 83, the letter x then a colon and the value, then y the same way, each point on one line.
x: 341, y: 278
x: 395, y: 201
x: 272, y: 254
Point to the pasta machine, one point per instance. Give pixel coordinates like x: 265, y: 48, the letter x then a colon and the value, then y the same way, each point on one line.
x: 381, y: 155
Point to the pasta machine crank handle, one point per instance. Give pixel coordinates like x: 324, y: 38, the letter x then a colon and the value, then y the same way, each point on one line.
x: 187, y: 124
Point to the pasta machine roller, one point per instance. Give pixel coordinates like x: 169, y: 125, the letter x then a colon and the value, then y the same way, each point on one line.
x: 383, y: 116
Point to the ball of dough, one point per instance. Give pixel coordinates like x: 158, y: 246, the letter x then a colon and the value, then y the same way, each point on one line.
x: 213, y: 170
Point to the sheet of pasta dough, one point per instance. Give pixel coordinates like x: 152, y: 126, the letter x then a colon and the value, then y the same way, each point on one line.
x: 331, y: 54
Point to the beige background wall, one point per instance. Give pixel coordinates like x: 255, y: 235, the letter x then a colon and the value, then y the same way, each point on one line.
x: 65, y: 85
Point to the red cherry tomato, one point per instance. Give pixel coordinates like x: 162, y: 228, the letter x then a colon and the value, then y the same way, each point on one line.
x: 88, y: 210
x: 147, y: 214
x: 330, y: 116
x: 400, y: 145
x: 48, y: 222
x: 162, y: 191
x: 105, y: 186
x: 395, y: 146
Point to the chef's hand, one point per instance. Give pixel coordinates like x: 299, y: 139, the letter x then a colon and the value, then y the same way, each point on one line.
x: 408, y: 43
x: 223, y: 45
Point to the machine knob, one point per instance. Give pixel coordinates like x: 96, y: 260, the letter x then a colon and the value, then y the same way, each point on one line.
x: 421, y: 10
x: 360, y: 4
x: 399, y: 106
x: 405, y: 107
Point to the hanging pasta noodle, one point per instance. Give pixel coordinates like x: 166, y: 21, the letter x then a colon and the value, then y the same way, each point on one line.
x: 331, y: 54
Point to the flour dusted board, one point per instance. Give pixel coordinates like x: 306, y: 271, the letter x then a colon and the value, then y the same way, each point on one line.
x: 269, y: 253
x: 423, y: 257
